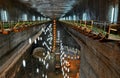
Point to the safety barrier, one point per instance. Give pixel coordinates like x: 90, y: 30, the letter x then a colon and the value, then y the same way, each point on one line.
x: 97, y: 29
x: 113, y: 31
x: 17, y: 26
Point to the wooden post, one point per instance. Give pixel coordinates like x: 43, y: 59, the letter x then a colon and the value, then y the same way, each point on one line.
x: 108, y: 31
x: 85, y: 24
x: 0, y: 26
x: 80, y: 22
x: 91, y: 24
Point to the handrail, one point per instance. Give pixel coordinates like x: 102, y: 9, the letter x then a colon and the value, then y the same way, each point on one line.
x: 103, y: 29
x: 7, y: 27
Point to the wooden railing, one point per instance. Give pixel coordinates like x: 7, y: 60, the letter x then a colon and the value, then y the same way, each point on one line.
x: 16, y: 26
x: 113, y: 31
x: 102, y: 29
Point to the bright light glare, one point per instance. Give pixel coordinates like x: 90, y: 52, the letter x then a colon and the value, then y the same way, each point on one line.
x: 58, y: 35
x: 30, y: 41
x: 33, y: 18
x: 68, y: 70
x: 74, y: 17
x: 39, y: 59
x: 112, y: 15
x: 43, y: 75
x: 38, y: 38
x: 35, y: 41
x: 4, y: 16
x: 38, y: 18
x: 24, y: 17
x: 37, y: 70
x: 84, y: 17
x: 24, y: 63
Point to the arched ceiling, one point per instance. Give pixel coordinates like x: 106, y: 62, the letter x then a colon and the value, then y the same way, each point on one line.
x: 51, y: 8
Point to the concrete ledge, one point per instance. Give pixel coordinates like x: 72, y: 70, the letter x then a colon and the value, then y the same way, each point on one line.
x: 18, y: 52
x: 98, y: 59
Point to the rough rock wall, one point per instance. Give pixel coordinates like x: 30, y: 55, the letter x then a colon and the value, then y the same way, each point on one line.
x: 10, y: 42
x: 98, y: 59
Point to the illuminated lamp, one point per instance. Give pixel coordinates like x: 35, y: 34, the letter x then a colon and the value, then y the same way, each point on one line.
x: 24, y: 63
x: 65, y: 55
x: 68, y: 56
x: 68, y: 70
x: 78, y: 57
x: 71, y: 57
x: 35, y: 41
x: 43, y: 75
x: 37, y: 70
x: 67, y: 64
x: 75, y: 57
x: 43, y: 54
x: 30, y: 40
x: 44, y: 62
x: 39, y: 59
